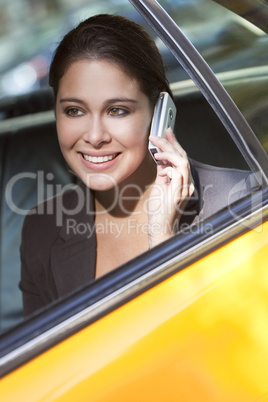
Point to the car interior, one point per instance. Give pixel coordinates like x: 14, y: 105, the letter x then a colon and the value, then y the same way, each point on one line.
x: 30, y: 154
x: 173, y: 305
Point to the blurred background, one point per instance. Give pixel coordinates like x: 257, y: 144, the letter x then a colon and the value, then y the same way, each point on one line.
x: 29, y: 32
x: 31, y: 29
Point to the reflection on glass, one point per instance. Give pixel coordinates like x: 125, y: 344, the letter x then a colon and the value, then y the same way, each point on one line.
x: 232, y: 46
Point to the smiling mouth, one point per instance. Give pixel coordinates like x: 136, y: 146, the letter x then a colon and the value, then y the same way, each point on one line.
x: 99, y: 159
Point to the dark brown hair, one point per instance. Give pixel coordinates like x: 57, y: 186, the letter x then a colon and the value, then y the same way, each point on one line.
x: 117, y: 40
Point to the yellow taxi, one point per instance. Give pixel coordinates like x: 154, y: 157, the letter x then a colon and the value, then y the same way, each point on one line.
x: 187, y: 320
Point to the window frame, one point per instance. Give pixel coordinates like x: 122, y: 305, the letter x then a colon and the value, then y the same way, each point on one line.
x: 65, y: 317
x: 204, y: 78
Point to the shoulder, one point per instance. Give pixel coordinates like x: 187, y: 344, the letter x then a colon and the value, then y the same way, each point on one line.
x: 209, y: 171
x: 44, y: 222
x: 222, y: 177
x: 220, y: 187
x: 48, y: 248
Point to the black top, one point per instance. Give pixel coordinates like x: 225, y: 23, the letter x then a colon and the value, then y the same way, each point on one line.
x: 58, y: 250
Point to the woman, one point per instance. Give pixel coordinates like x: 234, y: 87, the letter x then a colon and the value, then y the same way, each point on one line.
x: 106, y: 75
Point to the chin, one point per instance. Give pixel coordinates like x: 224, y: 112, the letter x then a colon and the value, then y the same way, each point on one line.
x: 100, y: 182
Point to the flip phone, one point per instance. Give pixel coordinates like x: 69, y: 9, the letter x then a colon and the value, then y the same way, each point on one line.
x: 164, y: 117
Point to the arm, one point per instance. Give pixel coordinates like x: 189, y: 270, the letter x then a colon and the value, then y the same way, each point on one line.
x: 32, y: 299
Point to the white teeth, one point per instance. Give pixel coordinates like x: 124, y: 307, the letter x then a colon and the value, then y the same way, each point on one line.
x: 98, y: 159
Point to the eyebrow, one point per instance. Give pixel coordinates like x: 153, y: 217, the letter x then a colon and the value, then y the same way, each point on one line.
x: 108, y: 102
x: 75, y: 100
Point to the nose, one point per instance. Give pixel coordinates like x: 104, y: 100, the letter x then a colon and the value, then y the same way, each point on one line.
x: 96, y: 133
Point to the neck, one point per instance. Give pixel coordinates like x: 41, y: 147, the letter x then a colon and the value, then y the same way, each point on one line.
x: 129, y: 196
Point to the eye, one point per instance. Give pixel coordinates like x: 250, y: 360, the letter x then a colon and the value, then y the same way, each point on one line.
x: 117, y: 111
x: 73, y: 112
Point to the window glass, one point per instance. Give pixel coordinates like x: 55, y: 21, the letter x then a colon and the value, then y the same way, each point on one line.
x: 235, y: 50
x: 233, y: 47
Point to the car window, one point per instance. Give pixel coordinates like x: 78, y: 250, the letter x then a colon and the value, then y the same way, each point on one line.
x: 234, y: 49
x: 232, y: 46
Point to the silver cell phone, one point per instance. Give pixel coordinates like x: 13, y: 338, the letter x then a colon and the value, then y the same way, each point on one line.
x: 164, y: 117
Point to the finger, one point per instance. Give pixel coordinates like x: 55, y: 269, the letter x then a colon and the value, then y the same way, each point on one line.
x: 174, y: 159
x: 182, y: 168
x: 180, y: 180
x: 191, y: 188
x: 169, y: 144
x: 175, y: 177
x: 170, y: 136
x: 162, y: 143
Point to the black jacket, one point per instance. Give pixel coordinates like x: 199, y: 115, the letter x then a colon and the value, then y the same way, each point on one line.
x: 58, y: 250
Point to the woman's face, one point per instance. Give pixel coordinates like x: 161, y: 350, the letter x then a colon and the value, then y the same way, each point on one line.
x: 103, y: 120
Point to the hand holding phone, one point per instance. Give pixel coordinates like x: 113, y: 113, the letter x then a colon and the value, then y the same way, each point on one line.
x: 163, y: 118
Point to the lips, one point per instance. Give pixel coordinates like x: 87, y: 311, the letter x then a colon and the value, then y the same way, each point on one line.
x: 99, y: 159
